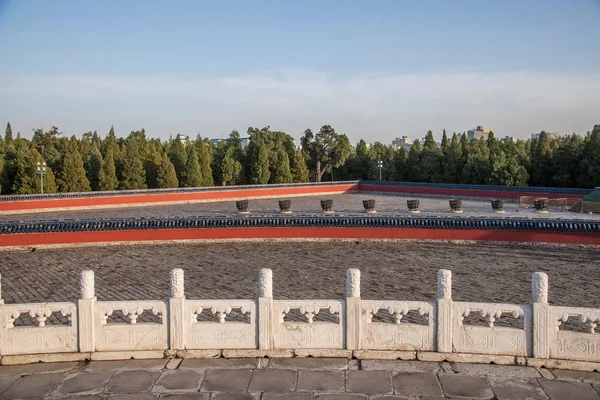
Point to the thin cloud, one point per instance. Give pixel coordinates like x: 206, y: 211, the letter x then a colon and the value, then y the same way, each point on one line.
x: 376, y: 107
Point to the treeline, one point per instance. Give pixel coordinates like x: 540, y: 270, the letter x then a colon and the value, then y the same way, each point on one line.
x: 139, y: 162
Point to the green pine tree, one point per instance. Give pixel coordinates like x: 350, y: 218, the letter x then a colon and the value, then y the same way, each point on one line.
x: 283, y: 174
x: 589, y: 167
x: 178, y: 156
x: 445, y: 143
x: 454, y: 161
x: 165, y: 174
x: 231, y: 169
x: 192, y: 177
x: 8, y: 136
x: 71, y: 177
x: 134, y: 175
x: 93, y: 168
x: 27, y: 179
x: 299, y: 169
x: 258, y: 157
x: 107, y: 178
x: 204, y: 148
x: 413, y: 167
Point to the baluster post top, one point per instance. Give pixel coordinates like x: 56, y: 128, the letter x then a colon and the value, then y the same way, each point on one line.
x: 87, y: 284
x: 177, y: 283
x: 539, y: 287
x: 352, y: 282
x: 265, y: 283
x: 444, y: 284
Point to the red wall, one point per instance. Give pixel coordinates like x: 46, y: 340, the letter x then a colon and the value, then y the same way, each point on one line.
x: 34, y: 239
x: 158, y: 198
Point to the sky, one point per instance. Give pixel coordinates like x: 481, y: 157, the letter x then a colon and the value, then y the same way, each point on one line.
x: 374, y: 70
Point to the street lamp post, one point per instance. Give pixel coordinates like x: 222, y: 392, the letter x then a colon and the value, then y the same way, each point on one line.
x: 380, y: 166
x: 41, y: 169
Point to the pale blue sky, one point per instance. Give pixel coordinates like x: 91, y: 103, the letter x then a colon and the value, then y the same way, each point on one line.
x: 372, y: 69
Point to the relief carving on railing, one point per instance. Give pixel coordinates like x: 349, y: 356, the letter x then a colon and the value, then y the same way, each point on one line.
x: 587, y: 316
x: 575, y: 345
x: 39, y: 313
x: 489, y: 311
x: 221, y: 310
x: 130, y: 310
x: 309, y: 310
x: 398, y: 309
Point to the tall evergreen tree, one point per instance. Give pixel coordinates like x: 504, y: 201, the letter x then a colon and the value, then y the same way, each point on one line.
x: 300, y: 171
x: 8, y: 136
x: 400, y: 164
x: 589, y: 167
x: 93, y: 168
x: 283, y: 174
x: 71, y: 177
x: 205, y: 159
x: 454, y: 161
x: 430, y: 161
x: 165, y: 175
x: 477, y: 166
x: 445, y: 143
x: 259, y: 161
x: 413, y: 162
x: 27, y: 179
x: 107, y: 179
x: 178, y: 157
x: 231, y: 169
x: 192, y: 177
x: 134, y: 175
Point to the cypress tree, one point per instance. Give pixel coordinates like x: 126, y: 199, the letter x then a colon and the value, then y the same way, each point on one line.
x: 8, y: 136
x: 93, y: 170
x: 165, y: 175
x: 231, y: 168
x: 134, y: 175
x: 192, y: 177
x: 151, y: 165
x: 107, y: 179
x: 71, y: 177
x: 178, y: 156
x: 27, y: 179
x: 454, y: 161
x: 205, y: 159
x: 413, y: 162
x: 282, y: 168
x: 300, y: 171
x: 259, y: 159
x: 589, y: 167
x: 445, y: 143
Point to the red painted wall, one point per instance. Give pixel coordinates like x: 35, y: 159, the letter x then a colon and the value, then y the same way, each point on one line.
x: 497, y: 194
x: 34, y: 239
x: 158, y: 198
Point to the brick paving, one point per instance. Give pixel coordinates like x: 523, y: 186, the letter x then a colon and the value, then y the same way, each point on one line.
x: 264, y: 379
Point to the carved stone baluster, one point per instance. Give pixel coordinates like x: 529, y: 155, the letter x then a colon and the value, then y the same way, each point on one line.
x: 444, y: 311
x: 353, y: 310
x: 542, y: 336
x: 265, y: 310
x: 86, y: 305
x: 177, y: 311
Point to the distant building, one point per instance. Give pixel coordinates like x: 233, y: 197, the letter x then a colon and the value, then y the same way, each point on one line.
x: 551, y: 135
x: 478, y: 133
x: 183, y: 139
x: 508, y: 139
x: 245, y: 141
x: 403, y: 142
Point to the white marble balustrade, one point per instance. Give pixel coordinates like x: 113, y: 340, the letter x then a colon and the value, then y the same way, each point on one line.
x: 443, y: 325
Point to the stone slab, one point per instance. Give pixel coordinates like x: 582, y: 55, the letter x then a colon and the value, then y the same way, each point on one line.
x: 273, y: 380
x: 465, y: 358
x: 321, y: 380
x: 475, y: 387
x: 126, y: 365
x: 561, y: 390
x: 235, y: 396
x: 128, y: 355
x: 199, y: 353
x: 83, y: 383
x: 179, y: 380
x: 328, y: 353
x: 33, y: 386
x: 385, y: 355
x: 340, y: 396
x: 258, y: 353
x: 416, y: 384
x: 369, y: 382
x: 545, y: 373
x: 309, y: 363
x: 287, y: 396
x: 130, y: 396
x: 44, y: 358
x: 40, y: 368
x: 6, y: 381
x: 567, y: 375
x: 226, y: 380
x: 185, y: 396
x: 400, y: 366
x: 173, y: 363
x: 133, y: 381
x: 563, y: 364
x: 592, y: 377
x: 509, y: 371
x: 215, y: 363
x: 514, y: 388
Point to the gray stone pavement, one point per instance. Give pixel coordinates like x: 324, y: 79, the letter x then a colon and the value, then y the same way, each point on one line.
x: 346, y: 204
x: 296, y: 379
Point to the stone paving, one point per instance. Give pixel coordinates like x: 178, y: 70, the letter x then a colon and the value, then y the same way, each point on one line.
x: 347, y: 204
x: 296, y: 379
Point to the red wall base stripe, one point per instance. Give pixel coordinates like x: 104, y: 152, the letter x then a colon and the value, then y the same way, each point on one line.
x: 497, y: 194
x: 172, y: 197
x: 290, y: 233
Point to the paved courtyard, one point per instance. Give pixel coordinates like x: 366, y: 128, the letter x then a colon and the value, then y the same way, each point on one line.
x: 296, y: 379
x: 346, y: 204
